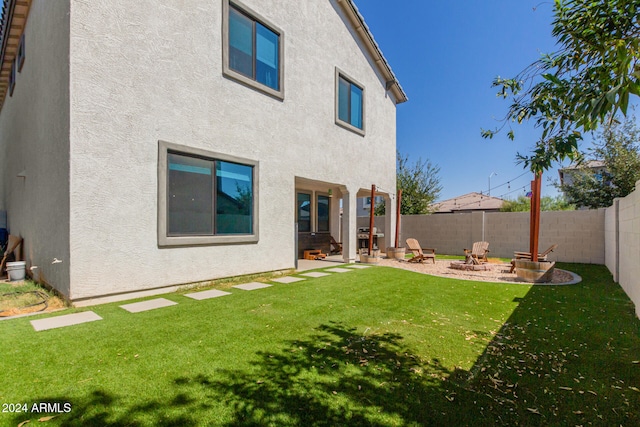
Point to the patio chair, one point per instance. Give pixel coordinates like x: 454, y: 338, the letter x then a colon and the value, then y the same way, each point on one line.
x: 419, y: 253
x: 542, y: 256
x: 336, y: 247
x: 478, y: 253
x: 12, y: 245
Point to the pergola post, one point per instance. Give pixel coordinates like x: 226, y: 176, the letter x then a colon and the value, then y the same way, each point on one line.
x: 399, y: 205
x: 534, y: 222
x: 372, y: 213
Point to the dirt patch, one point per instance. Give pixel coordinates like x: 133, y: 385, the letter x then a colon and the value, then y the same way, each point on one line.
x: 496, y: 272
x: 15, y: 302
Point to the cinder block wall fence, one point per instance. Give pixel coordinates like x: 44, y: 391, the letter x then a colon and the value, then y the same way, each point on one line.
x: 608, y: 236
x: 622, y: 231
x: 580, y: 235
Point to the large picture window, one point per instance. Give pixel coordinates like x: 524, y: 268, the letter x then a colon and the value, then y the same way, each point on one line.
x: 208, y: 198
x: 252, y: 49
x: 349, y: 103
x: 190, y: 196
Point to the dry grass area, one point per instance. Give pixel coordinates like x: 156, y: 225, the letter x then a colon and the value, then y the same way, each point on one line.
x: 24, y: 297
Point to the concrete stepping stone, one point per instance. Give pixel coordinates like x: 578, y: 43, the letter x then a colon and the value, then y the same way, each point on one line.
x: 66, y: 320
x: 151, y: 304
x: 315, y: 274
x: 212, y: 293
x: 358, y: 266
x: 287, y: 279
x: 251, y: 286
x: 339, y: 270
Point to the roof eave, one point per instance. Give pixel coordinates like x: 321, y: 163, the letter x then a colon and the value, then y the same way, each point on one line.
x: 361, y: 27
x: 14, y: 19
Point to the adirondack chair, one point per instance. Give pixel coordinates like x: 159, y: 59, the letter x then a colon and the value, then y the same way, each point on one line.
x: 336, y: 247
x: 478, y: 253
x: 542, y: 256
x: 12, y: 245
x: 419, y: 253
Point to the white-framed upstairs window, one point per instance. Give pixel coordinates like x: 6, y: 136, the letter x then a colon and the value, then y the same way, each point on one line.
x: 350, y: 101
x: 252, y: 49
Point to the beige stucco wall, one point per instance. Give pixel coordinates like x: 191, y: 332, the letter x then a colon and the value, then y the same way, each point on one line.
x: 579, y: 234
x: 612, y: 242
x: 35, y: 140
x: 152, y: 70
x: 629, y: 244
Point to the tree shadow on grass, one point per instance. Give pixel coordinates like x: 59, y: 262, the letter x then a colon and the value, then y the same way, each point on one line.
x: 101, y: 408
x: 567, y: 355
x: 336, y: 376
x: 339, y: 377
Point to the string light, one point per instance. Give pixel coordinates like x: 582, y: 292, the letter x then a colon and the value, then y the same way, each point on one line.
x: 482, y: 196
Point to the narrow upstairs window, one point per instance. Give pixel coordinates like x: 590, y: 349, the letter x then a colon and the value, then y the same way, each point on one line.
x: 349, y: 104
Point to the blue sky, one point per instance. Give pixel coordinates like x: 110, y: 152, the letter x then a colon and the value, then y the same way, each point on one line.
x: 445, y: 55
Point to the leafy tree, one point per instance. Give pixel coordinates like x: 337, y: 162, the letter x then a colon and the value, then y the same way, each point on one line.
x: 420, y: 185
x: 547, y: 203
x: 575, y: 89
x: 619, y: 149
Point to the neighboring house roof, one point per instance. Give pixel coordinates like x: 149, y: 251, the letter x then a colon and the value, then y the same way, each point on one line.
x: 15, y: 13
x: 594, y: 165
x: 361, y: 27
x: 467, y: 203
x: 589, y: 164
x: 13, y: 20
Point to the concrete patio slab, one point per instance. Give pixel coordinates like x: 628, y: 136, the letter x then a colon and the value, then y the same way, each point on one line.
x: 212, y: 293
x: 358, y: 266
x: 151, y: 304
x: 315, y: 274
x: 288, y: 279
x: 251, y: 286
x: 306, y: 264
x: 338, y: 270
x: 66, y: 320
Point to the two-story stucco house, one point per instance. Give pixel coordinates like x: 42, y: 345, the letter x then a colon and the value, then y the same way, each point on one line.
x: 153, y: 143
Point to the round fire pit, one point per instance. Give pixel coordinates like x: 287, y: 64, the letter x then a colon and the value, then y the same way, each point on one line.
x: 461, y: 265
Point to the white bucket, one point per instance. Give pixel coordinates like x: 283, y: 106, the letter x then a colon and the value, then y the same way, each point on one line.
x: 16, y: 270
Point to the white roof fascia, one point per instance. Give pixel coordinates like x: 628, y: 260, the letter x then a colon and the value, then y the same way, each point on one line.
x: 365, y: 34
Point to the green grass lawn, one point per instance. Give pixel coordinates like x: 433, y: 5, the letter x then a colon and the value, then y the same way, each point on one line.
x: 381, y: 346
